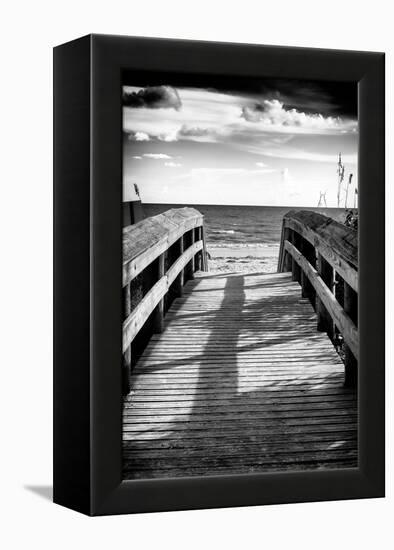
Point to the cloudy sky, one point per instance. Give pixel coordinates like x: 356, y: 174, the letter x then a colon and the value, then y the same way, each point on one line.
x: 260, y: 142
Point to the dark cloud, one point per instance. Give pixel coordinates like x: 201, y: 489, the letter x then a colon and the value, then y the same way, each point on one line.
x: 193, y: 131
x: 253, y: 112
x: 329, y: 98
x: 153, y: 97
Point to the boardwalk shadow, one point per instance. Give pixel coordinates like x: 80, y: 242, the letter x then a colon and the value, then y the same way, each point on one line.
x: 238, y: 423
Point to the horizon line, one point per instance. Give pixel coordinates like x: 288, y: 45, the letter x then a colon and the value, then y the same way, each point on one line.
x: 255, y: 205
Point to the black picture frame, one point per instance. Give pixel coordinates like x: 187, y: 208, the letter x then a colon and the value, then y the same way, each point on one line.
x: 87, y: 256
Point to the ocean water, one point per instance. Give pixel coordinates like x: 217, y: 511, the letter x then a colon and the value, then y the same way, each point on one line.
x: 243, y: 226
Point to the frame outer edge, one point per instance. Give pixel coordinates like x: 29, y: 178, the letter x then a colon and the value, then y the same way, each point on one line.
x: 71, y: 415
x: 109, y: 494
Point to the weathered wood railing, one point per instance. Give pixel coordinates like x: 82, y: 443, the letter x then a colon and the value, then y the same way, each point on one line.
x: 159, y: 254
x: 322, y: 255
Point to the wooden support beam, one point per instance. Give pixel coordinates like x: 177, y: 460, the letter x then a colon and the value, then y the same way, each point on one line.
x: 198, y: 256
x: 307, y: 288
x: 351, y: 308
x: 288, y: 261
x: 339, y: 316
x: 126, y: 367
x: 158, y: 321
x: 324, y: 320
x: 295, y: 268
x: 180, y: 280
x: 190, y: 267
x: 204, y: 250
x: 310, y: 255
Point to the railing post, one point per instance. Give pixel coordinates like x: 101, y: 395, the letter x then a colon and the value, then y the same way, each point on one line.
x: 126, y: 371
x: 179, y: 281
x: 295, y: 269
x: 158, y: 320
x: 204, y: 251
x: 324, y: 320
x: 189, y: 270
x: 288, y: 260
x: 350, y: 305
x: 198, y: 257
x: 308, y: 251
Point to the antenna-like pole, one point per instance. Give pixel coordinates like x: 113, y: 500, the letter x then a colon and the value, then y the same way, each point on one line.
x: 341, y: 175
x: 347, y: 188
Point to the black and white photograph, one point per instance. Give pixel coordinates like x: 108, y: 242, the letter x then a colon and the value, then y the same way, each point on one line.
x: 240, y: 275
x: 196, y: 274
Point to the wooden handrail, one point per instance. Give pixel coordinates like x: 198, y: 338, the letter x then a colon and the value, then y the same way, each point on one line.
x: 146, y: 245
x: 337, y: 243
x: 322, y: 255
x: 134, y: 322
x: 148, y: 239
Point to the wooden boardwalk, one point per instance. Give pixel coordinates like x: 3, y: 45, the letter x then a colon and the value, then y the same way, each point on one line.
x: 239, y: 381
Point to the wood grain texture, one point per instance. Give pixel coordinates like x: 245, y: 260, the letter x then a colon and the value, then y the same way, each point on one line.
x: 144, y: 241
x: 338, y: 314
x: 134, y: 322
x: 239, y: 381
x: 337, y: 243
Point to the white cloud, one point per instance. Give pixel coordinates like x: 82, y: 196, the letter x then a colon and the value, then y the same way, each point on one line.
x: 156, y: 156
x: 261, y: 164
x: 137, y: 157
x: 140, y: 136
x: 172, y: 164
x: 272, y: 112
x: 170, y: 136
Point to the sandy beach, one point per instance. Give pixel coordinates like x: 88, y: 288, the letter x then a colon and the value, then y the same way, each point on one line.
x: 250, y: 259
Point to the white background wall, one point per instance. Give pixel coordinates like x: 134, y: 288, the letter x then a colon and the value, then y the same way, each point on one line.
x: 28, y: 32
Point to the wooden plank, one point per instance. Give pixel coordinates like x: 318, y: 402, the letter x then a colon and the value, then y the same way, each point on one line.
x: 221, y: 415
x: 242, y: 425
x: 228, y: 409
x: 241, y: 448
x: 290, y: 392
x: 327, y: 437
x: 247, y: 399
x: 335, y: 430
x: 241, y: 460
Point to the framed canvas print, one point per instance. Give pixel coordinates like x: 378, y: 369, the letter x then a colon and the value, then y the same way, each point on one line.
x: 219, y: 275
